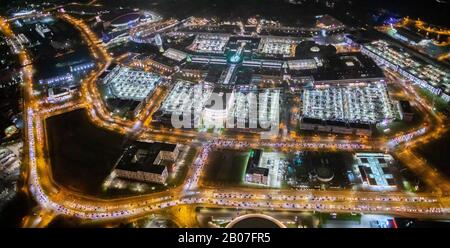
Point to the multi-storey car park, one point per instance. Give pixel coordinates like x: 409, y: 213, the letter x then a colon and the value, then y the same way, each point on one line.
x: 351, y: 83
x: 130, y: 84
x: 279, y: 46
x: 185, y: 98
x: 268, y: 108
x: 353, y: 103
x: 256, y: 108
x: 433, y: 77
x: 209, y: 43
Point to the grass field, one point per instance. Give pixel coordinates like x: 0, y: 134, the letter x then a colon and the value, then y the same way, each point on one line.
x: 325, y: 218
x: 436, y: 153
x: 439, y: 103
x: 226, y: 167
x: 82, y: 155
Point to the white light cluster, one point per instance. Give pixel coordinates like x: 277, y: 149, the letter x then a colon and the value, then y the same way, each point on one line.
x: 285, y: 47
x: 362, y: 103
x: 209, y: 43
x: 426, y: 75
x: 265, y: 102
x: 186, y: 97
x: 130, y: 84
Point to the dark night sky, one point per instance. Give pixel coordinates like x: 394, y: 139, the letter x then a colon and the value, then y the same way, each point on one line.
x: 429, y: 10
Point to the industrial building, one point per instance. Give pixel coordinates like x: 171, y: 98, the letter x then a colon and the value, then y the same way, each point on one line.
x: 254, y: 173
x: 147, y: 162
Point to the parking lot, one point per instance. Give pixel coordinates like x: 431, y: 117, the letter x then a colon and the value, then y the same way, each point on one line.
x: 130, y: 84
x: 355, y: 103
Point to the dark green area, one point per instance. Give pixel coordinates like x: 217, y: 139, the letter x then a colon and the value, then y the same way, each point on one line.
x: 226, y: 167
x: 436, y: 153
x: 82, y: 155
x: 324, y: 218
x: 13, y: 212
x: 439, y: 104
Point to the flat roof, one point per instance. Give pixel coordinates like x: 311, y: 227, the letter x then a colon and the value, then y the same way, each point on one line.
x: 354, y: 103
x: 147, y: 153
x: 344, y: 66
x: 253, y: 162
x: 375, y: 170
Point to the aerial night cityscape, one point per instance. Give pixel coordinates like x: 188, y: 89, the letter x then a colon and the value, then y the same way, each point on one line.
x: 224, y: 114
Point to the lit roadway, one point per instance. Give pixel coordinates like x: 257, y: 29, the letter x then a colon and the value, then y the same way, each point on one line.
x: 54, y: 199
x: 422, y: 26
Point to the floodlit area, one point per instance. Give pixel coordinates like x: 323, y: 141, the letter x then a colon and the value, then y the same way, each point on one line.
x: 175, y: 54
x: 303, y: 64
x: 265, y: 102
x: 283, y: 47
x: 209, y: 43
x: 250, y: 109
x: 355, y: 103
x: 433, y: 77
x: 269, y: 107
x: 131, y: 84
x: 186, y: 97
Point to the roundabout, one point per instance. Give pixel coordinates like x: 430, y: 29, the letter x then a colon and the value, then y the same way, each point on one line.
x: 255, y: 221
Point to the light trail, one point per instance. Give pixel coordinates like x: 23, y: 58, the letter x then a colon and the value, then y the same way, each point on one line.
x: 60, y: 200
